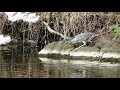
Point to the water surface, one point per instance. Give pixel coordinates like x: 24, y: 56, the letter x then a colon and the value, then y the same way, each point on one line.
x: 23, y: 62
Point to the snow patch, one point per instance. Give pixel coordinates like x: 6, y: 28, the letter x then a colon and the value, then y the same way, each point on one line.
x: 4, y: 39
x: 96, y: 54
x: 25, y: 16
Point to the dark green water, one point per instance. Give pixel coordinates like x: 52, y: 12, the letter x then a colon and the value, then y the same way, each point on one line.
x: 23, y: 62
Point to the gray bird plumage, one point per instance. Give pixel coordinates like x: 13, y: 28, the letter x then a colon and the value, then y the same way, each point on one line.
x: 81, y: 37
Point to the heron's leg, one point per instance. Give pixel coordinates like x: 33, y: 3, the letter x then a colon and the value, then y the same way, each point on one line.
x: 84, y: 43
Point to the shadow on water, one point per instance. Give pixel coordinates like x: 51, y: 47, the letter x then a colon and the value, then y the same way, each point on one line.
x: 23, y: 62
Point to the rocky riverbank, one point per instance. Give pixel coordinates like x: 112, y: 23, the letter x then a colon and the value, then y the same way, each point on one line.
x: 99, y: 51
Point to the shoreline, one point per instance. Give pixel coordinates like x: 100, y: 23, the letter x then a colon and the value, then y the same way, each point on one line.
x: 57, y: 50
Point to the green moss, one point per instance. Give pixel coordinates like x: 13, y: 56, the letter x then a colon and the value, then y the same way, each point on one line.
x: 115, y: 29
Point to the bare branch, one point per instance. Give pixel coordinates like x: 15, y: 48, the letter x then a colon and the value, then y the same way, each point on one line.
x: 52, y: 31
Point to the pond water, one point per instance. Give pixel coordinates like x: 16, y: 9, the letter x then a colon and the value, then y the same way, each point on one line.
x: 23, y: 62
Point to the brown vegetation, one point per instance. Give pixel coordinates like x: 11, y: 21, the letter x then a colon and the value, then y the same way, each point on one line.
x: 67, y: 24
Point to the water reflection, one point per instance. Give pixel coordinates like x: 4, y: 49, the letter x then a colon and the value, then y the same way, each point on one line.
x: 80, y: 69
x: 23, y: 62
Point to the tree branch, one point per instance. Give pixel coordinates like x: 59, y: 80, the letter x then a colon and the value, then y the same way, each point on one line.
x: 52, y: 31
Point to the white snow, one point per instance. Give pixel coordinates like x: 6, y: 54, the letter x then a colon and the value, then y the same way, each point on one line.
x: 96, y: 54
x: 82, y: 53
x: 25, y: 16
x: 4, y: 39
x: 14, y: 16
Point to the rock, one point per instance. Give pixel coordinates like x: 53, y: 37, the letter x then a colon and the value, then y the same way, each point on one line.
x: 59, y: 48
